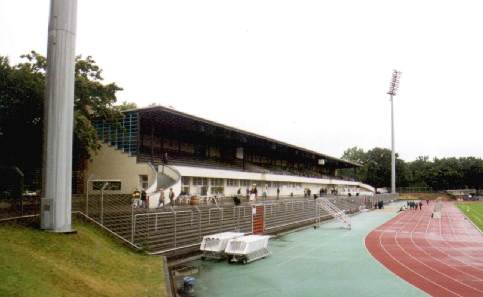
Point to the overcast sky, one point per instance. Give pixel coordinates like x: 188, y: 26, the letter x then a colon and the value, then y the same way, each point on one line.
x: 312, y: 73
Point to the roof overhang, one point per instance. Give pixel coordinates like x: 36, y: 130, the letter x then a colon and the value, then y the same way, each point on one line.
x: 160, y: 108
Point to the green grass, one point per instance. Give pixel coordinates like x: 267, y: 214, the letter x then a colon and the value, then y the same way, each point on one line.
x: 89, y: 263
x: 474, y: 211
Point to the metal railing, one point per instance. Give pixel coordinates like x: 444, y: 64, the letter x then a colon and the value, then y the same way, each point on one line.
x: 174, y: 228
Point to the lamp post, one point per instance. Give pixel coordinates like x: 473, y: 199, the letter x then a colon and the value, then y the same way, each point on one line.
x: 393, y: 87
x: 56, y: 215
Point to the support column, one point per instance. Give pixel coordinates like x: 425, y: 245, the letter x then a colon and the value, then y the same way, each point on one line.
x: 56, y: 215
x: 152, y: 142
x: 393, y: 151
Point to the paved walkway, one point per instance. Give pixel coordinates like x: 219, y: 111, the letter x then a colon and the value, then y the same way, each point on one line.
x: 328, y: 261
x: 443, y: 257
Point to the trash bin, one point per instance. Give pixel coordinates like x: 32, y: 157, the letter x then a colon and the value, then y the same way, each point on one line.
x: 194, y: 200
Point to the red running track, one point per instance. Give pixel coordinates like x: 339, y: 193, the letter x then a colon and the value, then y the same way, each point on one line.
x: 443, y: 257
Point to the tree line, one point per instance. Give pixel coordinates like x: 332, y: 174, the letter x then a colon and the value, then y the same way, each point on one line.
x: 436, y: 173
x: 22, y: 95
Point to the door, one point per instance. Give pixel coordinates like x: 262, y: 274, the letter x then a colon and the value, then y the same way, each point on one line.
x: 258, y: 219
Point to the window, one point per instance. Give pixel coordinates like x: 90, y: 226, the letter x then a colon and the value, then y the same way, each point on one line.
x: 143, y: 181
x: 244, y: 183
x: 199, y: 181
x: 185, y: 180
x: 217, y: 190
x: 216, y: 186
x: 170, y: 144
x: 232, y: 182
x: 217, y: 182
x: 111, y: 185
x: 214, y: 152
x: 187, y: 148
x: 185, y: 190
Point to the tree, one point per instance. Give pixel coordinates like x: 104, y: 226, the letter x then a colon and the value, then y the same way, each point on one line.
x: 357, y: 155
x: 126, y: 106
x: 22, y: 89
x: 376, y: 166
x: 21, y: 98
x: 439, y: 174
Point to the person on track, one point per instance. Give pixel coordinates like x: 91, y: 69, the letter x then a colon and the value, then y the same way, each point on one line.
x: 420, y: 205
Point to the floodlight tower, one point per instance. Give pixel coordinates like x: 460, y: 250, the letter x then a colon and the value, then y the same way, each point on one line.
x: 56, y: 206
x: 393, y: 87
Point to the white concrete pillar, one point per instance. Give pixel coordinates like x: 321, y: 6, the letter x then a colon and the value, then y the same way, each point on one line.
x: 56, y: 206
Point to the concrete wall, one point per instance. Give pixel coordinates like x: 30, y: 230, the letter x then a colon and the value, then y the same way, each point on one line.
x: 112, y: 164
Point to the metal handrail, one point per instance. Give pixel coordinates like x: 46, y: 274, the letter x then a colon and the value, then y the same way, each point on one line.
x: 108, y: 230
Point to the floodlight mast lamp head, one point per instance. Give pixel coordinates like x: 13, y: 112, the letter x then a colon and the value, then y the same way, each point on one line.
x: 394, y: 86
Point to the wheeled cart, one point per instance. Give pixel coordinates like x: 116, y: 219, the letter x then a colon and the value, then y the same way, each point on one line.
x: 213, y: 246
x: 247, y: 248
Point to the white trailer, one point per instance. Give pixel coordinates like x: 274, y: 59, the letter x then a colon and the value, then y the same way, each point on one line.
x: 247, y: 248
x: 213, y: 246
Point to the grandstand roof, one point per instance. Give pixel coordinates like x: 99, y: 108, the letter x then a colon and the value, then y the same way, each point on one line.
x: 243, y: 132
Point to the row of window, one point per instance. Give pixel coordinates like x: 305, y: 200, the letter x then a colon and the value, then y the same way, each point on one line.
x: 220, y: 182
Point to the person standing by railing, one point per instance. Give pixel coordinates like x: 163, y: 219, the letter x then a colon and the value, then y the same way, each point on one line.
x: 135, y: 198
x: 143, y: 199
x: 171, y: 196
x: 161, y: 197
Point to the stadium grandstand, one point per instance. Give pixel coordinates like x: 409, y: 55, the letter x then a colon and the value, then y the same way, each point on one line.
x: 158, y: 148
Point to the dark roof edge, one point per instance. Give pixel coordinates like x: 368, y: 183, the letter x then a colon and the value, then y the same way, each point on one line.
x: 193, y: 117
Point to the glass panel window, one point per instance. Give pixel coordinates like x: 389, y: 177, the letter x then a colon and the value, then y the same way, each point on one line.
x: 187, y: 147
x: 232, y: 182
x: 185, y: 180
x: 199, y: 181
x: 185, y: 190
x: 217, y: 182
x: 143, y: 181
x: 217, y: 190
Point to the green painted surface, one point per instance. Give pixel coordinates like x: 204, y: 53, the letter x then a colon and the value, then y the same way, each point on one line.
x: 328, y: 261
x: 474, y: 211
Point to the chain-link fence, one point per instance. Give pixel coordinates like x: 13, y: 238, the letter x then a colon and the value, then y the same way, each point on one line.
x: 14, y: 207
x: 20, y: 192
